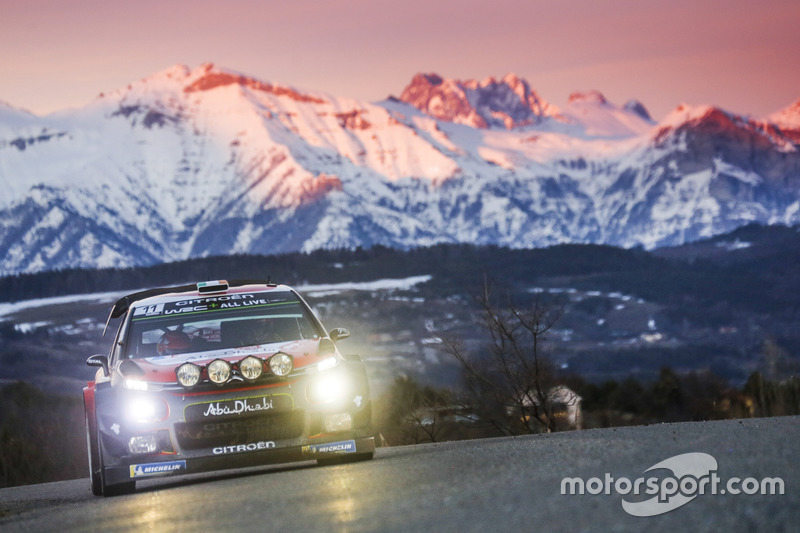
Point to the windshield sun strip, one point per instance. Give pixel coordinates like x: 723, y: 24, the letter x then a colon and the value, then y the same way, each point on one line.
x: 191, y: 313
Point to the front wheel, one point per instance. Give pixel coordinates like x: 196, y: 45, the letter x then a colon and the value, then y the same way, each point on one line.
x: 94, y: 459
x: 96, y: 471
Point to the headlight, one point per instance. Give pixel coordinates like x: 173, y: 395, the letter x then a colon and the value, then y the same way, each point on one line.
x: 188, y: 374
x: 280, y: 364
x: 143, y: 444
x: 251, y: 368
x: 134, y: 384
x: 338, y: 422
x: 146, y: 409
x: 328, y: 388
x: 219, y: 371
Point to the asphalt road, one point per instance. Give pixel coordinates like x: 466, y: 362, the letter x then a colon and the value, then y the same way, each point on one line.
x: 506, y: 484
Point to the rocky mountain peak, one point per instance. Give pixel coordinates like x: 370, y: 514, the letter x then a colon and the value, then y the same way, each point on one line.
x: 588, y: 97
x: 212, y: 78
x: 638, y: 108
x: 788, y: 118
x: 507, y: 103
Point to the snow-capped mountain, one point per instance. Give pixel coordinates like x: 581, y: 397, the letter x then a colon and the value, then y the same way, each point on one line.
x: 788, y: 120
x: 206, y: 161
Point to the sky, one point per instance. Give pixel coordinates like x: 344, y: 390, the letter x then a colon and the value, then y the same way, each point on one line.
x: 741, y: 55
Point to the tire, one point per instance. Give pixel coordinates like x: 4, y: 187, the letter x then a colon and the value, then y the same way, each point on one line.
x: 96, y: 470
x: 94, y: 459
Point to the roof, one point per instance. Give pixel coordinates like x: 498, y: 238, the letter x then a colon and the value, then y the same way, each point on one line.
x: 123, y: 304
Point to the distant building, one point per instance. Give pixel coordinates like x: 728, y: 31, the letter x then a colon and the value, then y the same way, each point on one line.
x: 565, y: 404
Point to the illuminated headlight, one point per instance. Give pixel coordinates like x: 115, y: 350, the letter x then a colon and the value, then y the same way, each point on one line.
x: 134, y: 384
x: 280, y: 364
x: 146, y: 409
x: 143, y: 444
x: 338, y: 422
x: 188, y: 374
x: 328, y: 389
x: 140, y: 385
x: 251, y: 368
x: 219, y: 371
x: 327, y: 363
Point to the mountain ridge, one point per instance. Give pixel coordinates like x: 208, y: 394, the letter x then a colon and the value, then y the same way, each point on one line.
x: 208, y: 161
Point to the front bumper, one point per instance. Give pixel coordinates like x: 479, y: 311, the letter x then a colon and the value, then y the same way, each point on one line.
x: 144, y: 434
x: 150, y: 467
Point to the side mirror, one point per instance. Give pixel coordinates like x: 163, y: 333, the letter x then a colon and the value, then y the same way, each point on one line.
x: 101, y: 361
x: 337, y: 334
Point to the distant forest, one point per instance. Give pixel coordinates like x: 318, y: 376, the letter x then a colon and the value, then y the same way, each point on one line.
x: 450, y: 265
x: 701, y: 280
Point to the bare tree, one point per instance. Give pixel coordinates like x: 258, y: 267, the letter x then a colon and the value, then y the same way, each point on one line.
x: 509, y: 383
x: 424, y: 424
x: 415, y: 413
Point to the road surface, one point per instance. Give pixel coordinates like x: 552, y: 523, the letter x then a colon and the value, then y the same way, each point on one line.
x: 504, y: 484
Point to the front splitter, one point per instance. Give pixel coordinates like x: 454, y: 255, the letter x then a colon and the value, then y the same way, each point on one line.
x: 172, y: 465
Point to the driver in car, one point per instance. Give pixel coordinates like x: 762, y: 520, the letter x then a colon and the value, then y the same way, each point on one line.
x: 173, y: 342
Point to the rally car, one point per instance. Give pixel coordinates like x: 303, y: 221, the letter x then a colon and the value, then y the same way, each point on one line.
x: 221, y: 375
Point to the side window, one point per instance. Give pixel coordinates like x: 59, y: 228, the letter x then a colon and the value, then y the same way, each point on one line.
x: 307, y: 329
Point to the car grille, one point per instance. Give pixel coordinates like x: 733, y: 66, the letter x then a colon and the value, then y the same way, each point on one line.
x: 242, y: 430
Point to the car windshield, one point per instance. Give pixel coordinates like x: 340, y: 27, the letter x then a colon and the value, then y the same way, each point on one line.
x: 216, y: 322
